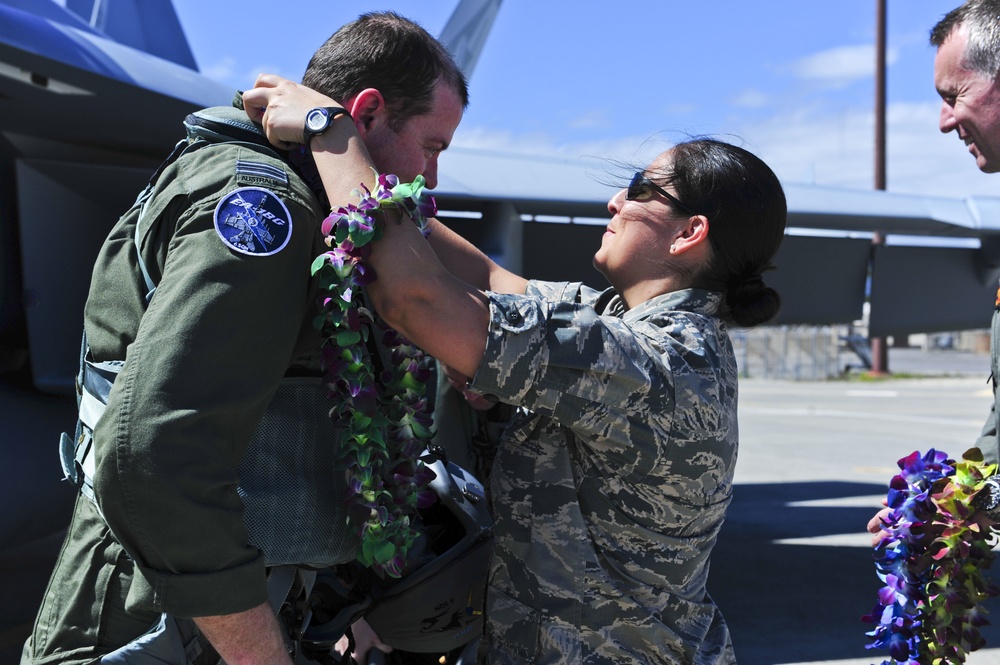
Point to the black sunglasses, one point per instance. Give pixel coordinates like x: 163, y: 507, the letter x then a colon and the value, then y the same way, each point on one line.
x: 639, y: 190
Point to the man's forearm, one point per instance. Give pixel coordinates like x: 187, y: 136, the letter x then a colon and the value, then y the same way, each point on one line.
x: 253, y: 637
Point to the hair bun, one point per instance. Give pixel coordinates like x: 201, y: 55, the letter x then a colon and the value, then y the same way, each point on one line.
x: 754, y: 281
x: 750, y: 301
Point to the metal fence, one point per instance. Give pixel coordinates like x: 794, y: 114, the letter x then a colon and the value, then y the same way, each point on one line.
x: 794, y: 353
x: 816, y: 353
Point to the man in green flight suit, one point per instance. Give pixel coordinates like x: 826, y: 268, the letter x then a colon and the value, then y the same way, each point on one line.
x: 223, y: 242
x: 967, y: 76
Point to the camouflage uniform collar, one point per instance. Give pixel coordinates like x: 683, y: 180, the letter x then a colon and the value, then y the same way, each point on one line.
x: 698, y: 301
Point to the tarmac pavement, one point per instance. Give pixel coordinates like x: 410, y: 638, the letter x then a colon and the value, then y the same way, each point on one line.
x: 793, y: 570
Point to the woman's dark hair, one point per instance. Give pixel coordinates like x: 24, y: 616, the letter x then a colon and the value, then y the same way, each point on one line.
x: 746, y: 210
x: 392, y: 54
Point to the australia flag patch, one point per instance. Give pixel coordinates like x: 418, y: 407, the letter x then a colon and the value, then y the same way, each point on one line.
x: 253, y: 221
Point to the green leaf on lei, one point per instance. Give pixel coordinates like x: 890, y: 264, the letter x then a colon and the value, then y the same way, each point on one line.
x: 348, y: 337
x: 375, y: 446
x: 384, y: 551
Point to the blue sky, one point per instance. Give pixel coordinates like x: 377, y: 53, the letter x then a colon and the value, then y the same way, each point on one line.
x: 791, y: 80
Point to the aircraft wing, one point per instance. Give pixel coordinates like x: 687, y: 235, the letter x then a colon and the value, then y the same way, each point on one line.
x: 62, y: 80
x: 827, y: 267
x: 581, y: 187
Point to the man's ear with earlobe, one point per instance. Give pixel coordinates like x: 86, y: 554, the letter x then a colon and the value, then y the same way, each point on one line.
x: 368, y: 110
x: 694, y: 234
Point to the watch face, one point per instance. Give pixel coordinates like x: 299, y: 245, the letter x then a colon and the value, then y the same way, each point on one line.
x: 316, y: 120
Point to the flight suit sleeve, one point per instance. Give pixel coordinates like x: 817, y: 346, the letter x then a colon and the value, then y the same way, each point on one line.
x: 210, y: 350
x: 987, y: 441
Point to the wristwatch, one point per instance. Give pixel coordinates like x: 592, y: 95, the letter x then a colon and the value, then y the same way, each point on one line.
x: 987, y: 499
x: 319, y: 119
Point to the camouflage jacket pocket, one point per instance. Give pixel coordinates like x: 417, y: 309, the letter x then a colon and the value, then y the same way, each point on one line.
x: 513, y: 629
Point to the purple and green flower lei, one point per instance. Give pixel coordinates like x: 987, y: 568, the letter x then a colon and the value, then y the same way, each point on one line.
x: 933, y: 561
x: 387, y: 416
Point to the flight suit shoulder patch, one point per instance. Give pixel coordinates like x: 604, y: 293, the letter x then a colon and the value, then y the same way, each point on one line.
x: 254, y: 221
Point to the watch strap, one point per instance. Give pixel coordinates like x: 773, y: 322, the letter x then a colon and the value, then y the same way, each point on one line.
x: 987, y: 499
x: 332, y: 112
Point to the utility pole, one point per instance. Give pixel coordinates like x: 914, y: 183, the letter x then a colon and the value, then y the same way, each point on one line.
x: 880, y: 352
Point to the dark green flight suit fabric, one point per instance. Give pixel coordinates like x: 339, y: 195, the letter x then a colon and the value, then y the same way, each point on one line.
x: 989, y: 440
x: 202, y: 362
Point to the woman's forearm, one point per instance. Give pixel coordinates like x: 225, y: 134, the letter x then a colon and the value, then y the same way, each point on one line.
x: 468, y: 263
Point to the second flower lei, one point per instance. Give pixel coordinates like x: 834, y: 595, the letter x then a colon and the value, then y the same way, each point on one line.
x: 933, y: 561
x: 385, y: 408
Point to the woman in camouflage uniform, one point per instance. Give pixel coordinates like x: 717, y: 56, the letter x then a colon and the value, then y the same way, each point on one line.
x: 612, y: 481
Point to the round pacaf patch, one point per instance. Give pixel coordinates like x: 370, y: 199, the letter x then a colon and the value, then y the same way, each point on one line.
x: 253, y: 221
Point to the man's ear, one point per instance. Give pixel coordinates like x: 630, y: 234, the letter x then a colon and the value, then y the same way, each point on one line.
x: 368, y: 110
x: 694, y: 234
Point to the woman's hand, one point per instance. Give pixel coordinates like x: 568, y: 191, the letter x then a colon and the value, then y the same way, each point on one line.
x: 365, y: 640
x: 280, y: 107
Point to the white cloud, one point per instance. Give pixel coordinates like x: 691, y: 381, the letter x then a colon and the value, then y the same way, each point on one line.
x: 250, y: 74
x: 750, y: 99
x: 221, y: 70
x: 839, y: 66
x: 480, y: 138
x: 225, y: 71
x: 807, y: 145
x: 631, y: 149
x: 839, y: 151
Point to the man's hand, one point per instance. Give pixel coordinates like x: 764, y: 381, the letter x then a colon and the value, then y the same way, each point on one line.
x: 280, y: 107
x: 365, y: 640
x: 875, y: 525
x: 253, y: 637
